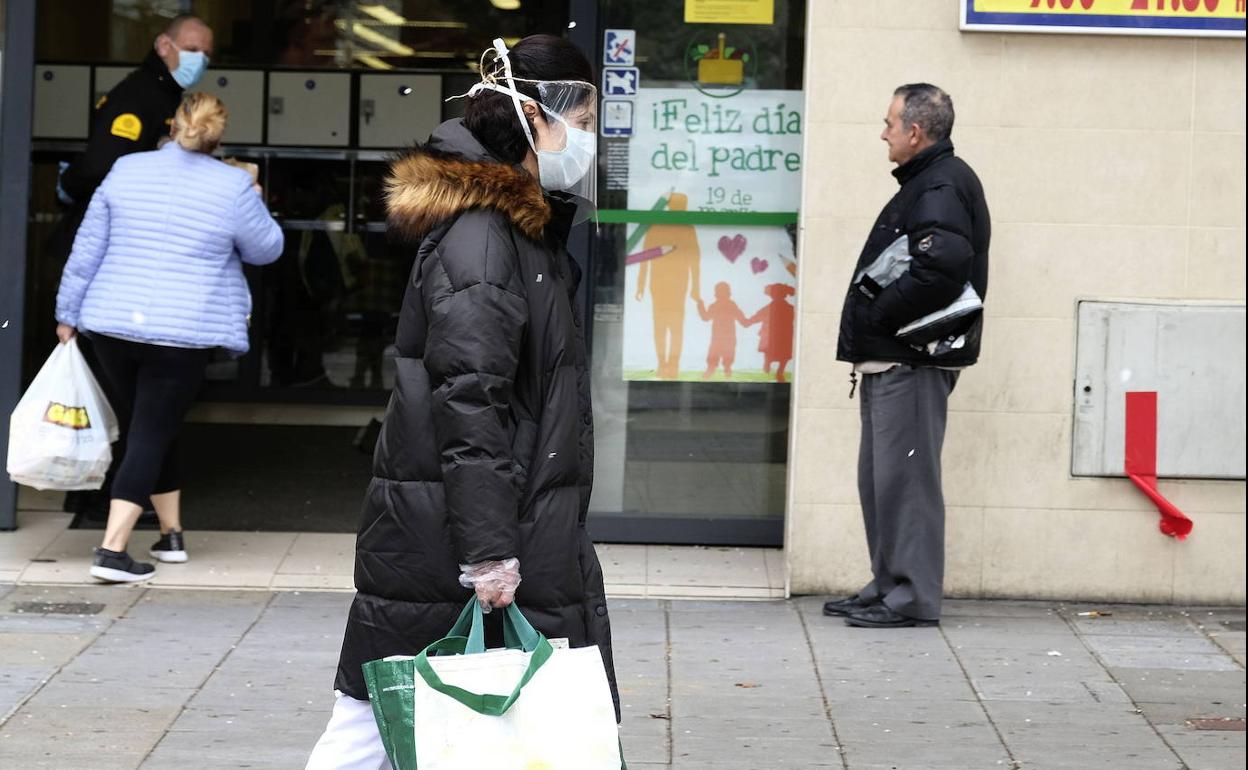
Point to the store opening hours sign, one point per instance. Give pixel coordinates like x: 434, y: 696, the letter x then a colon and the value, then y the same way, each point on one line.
x: 1209, y: 18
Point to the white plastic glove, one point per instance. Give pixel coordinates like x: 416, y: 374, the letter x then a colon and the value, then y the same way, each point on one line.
x: 495, y: 581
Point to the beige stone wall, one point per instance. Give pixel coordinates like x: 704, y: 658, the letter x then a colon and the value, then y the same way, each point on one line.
x: 1114, y: 168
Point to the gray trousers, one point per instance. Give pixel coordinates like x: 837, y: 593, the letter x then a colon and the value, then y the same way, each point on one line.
x: 903, y: 428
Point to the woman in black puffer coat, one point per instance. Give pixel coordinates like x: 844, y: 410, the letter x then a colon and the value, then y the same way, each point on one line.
x: 486, y: 453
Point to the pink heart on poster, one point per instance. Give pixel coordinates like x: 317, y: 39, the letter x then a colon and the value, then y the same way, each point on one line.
x: 732, y: 248
x: 758, y: 265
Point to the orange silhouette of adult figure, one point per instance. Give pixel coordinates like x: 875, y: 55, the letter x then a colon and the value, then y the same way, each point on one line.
x: 673, y: 279
x: 724, y: 315
x: 775, y: 339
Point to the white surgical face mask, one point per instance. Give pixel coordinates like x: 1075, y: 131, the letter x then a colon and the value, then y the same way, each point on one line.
x: 572, y: 168
x: 562, y: 169
x: 191, y: 66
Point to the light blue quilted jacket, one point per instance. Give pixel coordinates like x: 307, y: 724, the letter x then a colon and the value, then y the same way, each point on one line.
x: 159, y: 256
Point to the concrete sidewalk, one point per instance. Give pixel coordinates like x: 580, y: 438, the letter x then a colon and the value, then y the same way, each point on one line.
x: 134, y: 677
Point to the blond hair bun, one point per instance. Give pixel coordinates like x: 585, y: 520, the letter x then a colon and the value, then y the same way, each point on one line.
x: 199, y: 122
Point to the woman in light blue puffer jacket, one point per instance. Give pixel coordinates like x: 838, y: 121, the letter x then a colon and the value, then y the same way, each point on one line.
x: 155, y: 279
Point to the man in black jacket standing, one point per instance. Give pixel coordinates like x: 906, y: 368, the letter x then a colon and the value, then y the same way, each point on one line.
x: 940, y: 221
x: 133, y: 117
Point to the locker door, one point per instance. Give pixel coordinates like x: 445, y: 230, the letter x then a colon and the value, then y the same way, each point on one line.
x: 309, y: 109
x: 62, y: 101
x: 398, y: 110
x: 242, y: 91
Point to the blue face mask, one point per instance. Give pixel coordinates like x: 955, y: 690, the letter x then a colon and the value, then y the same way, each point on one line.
x: 191, y: 66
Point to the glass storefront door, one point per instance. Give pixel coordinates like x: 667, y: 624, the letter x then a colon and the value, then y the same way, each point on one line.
x: 695, y: 268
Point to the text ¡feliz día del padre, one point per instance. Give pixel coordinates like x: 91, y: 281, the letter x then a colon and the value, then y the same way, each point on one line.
x: 705, y: 119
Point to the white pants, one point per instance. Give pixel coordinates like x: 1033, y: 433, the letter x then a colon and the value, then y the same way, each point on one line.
x: 351, y: 740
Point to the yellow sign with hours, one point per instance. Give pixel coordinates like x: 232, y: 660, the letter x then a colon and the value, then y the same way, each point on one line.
x: 730, y: 11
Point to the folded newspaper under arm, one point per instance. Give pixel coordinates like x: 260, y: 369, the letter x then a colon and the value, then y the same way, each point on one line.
x: 950, y: 319
x: 930, y: 332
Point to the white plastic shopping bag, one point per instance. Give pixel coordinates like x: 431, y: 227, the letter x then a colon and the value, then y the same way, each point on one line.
x: 514, y: 709
x: 61, y: 431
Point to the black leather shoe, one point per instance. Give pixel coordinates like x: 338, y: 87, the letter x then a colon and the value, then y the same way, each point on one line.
x: 882, y: 616
x: 842, y: 607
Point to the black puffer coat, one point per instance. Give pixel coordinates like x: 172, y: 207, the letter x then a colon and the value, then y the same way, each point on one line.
x: 941, y: 208
x: 487, y: 447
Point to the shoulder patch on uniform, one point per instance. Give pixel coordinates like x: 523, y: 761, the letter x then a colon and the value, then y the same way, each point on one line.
x: 128, y: 126
x: 102, y: 101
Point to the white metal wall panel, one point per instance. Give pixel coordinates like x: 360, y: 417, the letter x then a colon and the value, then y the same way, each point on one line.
x: 1192, y: 355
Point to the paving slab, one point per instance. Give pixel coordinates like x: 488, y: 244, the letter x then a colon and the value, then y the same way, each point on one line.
x: 1169, y: 685
x: 45, y: 733
x: 266, y: 738
x: 17, y: 683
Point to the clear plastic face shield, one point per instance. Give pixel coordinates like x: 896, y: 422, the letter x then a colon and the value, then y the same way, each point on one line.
x: 563, y: 135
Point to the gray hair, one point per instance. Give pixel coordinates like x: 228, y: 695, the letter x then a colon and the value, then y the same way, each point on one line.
x: 928, y: 106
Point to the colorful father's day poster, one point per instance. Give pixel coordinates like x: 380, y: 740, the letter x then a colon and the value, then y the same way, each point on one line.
x: 712, y: 302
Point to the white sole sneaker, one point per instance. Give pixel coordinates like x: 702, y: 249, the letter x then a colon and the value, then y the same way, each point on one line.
x: 168, y: 557
x: 110, y: 575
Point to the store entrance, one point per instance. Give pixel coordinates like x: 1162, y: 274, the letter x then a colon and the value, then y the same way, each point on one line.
x: 321, y: 95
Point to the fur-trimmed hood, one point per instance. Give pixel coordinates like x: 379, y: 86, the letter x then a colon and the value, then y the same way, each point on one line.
x: 453, y: 173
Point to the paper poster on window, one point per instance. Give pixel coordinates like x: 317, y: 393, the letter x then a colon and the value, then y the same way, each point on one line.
x: 712, y: 301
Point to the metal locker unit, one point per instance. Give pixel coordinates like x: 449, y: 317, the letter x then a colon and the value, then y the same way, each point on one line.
x: 398, y: 110
x: 62, y: 101
x: 106, y: 79
x: 310, y: 109
x: 242, y: 91
x: 1191, y: 355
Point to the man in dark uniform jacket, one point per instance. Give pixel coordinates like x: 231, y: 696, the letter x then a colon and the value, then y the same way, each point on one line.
x: 942, y: 218
x: 133, y: 117
x: 136, y: 113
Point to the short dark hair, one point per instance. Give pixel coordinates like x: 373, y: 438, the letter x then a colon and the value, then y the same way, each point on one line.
x: 175, y: 24
x: 929, y: 106
x: 491, y: 116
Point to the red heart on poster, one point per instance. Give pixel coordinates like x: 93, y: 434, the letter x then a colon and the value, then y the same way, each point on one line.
x: 758, y: 265
x: 733, y: 247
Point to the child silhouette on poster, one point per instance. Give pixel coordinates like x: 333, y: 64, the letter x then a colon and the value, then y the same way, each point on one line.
x: 674, y: 279
x: 724, y: 315
x: 775, y: 338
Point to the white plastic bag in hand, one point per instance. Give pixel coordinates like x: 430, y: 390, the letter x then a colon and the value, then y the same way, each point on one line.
x: 61, y: 431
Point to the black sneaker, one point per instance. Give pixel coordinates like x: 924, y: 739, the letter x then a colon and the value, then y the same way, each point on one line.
x: 118, y: 567
x: 171, y: 548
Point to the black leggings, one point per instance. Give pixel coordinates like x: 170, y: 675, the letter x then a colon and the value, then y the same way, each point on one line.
x: 151, y: 388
